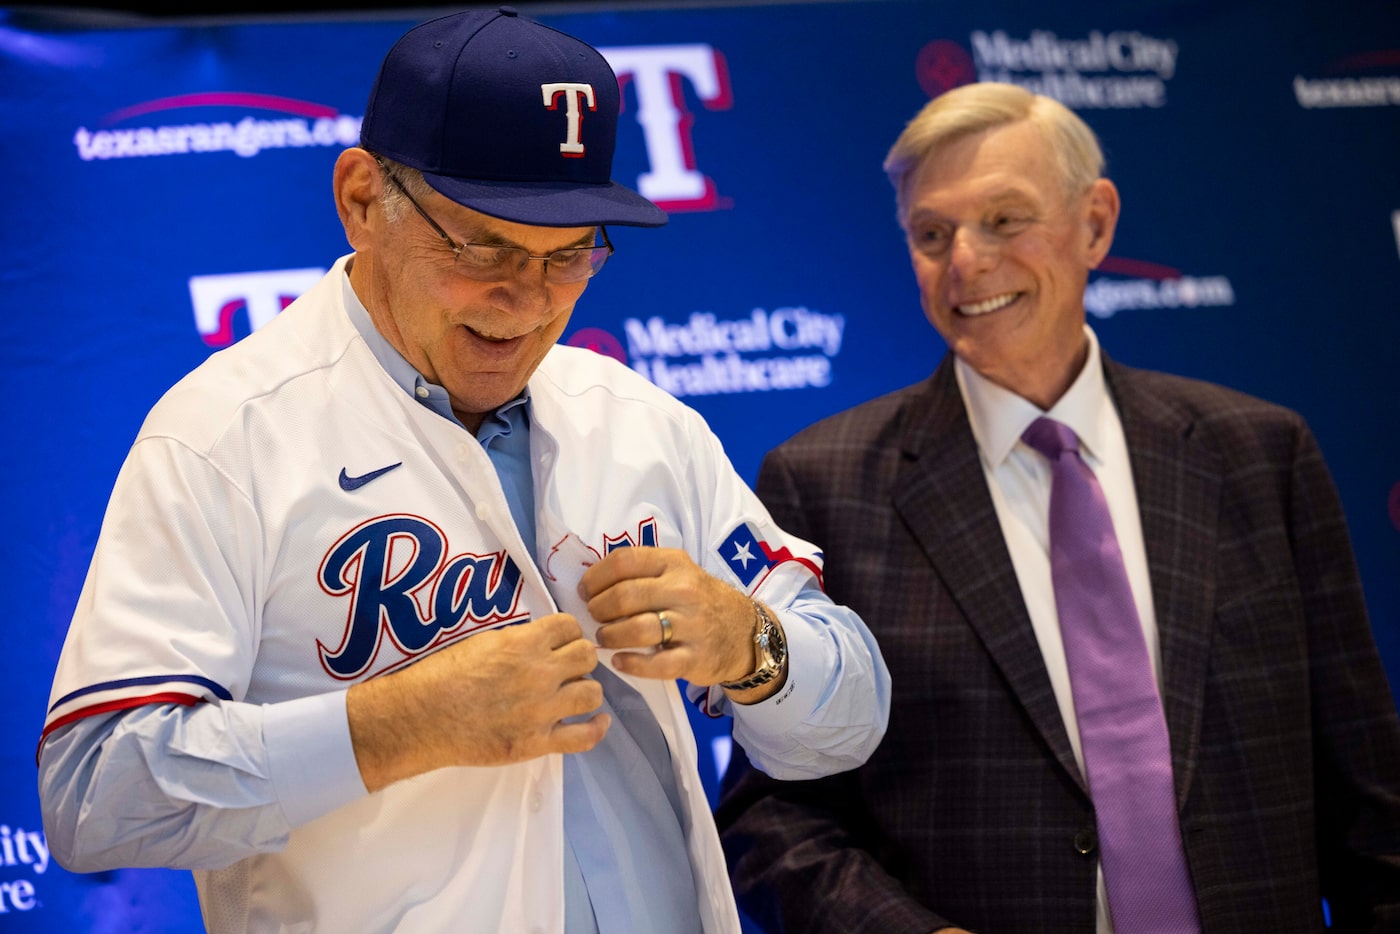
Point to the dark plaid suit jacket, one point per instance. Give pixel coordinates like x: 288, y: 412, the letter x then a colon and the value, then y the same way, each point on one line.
x: 972, y: 812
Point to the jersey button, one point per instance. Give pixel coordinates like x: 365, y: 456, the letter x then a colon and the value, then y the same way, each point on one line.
x: 536, y: 801
x: 422, y: 392
x: 482, y: 513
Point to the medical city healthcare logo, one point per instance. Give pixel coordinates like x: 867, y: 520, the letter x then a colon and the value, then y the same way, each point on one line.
x: 304, y: 124
x: 1118, y: 69
x: 783, y: 348
x: 24, y: 855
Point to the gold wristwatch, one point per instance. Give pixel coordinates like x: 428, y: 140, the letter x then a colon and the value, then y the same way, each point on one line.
x: 772, y: 651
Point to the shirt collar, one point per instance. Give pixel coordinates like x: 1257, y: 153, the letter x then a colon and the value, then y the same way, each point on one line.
x: 999, y: 416
x: 513, y: 416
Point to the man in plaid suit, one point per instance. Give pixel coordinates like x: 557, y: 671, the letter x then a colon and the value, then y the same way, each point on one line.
x: 975, y: 813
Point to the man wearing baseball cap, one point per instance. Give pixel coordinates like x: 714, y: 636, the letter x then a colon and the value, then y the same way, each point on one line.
x: 386, y: 619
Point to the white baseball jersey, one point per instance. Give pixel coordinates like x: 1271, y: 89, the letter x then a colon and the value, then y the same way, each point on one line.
x: 290, y: 522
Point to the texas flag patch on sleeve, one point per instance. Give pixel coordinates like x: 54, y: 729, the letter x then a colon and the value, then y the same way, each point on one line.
x: 751, y: 558
x: 747, y: 556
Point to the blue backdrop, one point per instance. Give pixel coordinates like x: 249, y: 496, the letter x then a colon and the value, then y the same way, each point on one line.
x: 168, y: 190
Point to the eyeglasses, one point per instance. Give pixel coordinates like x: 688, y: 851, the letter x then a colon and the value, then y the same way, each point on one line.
x: 487, y: 262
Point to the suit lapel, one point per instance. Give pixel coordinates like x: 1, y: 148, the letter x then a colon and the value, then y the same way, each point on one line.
x: 942, y: 496
x: 1178, y: 492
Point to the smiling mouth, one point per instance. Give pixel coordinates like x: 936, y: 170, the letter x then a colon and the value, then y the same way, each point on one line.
x: 487, y: 337
x: 987, y: 306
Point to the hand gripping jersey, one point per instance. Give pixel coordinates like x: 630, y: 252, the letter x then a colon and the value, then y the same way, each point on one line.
x: 290, y: 522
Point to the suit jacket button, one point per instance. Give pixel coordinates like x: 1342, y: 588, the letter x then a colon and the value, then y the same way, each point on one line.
x: 1085, y: 842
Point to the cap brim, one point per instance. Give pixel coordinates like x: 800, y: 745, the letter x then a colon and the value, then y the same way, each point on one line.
x: 551, y: 204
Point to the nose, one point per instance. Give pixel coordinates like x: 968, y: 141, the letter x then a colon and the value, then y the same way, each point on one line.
x: 526, y: 294
x: 972, y: 253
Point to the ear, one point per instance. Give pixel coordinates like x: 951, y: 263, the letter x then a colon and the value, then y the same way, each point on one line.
x: 1100, y: 210
x: 358, y: 185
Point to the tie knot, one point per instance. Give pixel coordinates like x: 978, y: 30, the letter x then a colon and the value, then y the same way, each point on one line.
x: 1051, y: 438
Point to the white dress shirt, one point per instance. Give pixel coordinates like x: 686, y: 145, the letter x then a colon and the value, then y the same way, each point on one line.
x: 1019, y: 480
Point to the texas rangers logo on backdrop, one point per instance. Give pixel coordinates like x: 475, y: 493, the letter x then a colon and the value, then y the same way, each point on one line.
x: 1362, y: 79
x: 656, y: 72
x: 302, y: 124
x: 1121, y: 284
x: 401, y: 585
x: 259, y: 296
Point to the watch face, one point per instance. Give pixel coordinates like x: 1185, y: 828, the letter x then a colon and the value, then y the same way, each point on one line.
x: 770, y: 643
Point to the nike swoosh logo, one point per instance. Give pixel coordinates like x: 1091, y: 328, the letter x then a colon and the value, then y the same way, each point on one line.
x: 349, y: 483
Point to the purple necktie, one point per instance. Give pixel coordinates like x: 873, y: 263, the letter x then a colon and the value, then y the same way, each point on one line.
x: 1122, y: 731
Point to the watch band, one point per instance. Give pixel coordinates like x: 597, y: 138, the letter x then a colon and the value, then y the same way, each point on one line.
x: 772, y: 651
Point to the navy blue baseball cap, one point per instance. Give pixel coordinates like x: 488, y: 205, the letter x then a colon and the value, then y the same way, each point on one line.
x: 505, y: 116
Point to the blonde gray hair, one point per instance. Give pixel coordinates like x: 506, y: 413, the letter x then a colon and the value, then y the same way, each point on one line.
x: 974, y: 108
x: 393, y: 202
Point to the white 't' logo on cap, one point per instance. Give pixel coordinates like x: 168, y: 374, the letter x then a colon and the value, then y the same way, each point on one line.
x: 572, y: 147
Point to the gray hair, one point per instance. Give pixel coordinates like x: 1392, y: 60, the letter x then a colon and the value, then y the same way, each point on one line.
x: 392, y: 200
x: 974, y: 108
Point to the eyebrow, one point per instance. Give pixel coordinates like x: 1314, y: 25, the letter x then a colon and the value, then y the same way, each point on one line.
x: 1002, y: 198
x: 1012, y: 195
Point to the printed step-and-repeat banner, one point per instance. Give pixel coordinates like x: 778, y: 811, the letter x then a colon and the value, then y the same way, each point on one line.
x: 167, y: 191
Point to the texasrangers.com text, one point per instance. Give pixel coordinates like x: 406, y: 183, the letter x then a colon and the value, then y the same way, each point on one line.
x: 247, y: 137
